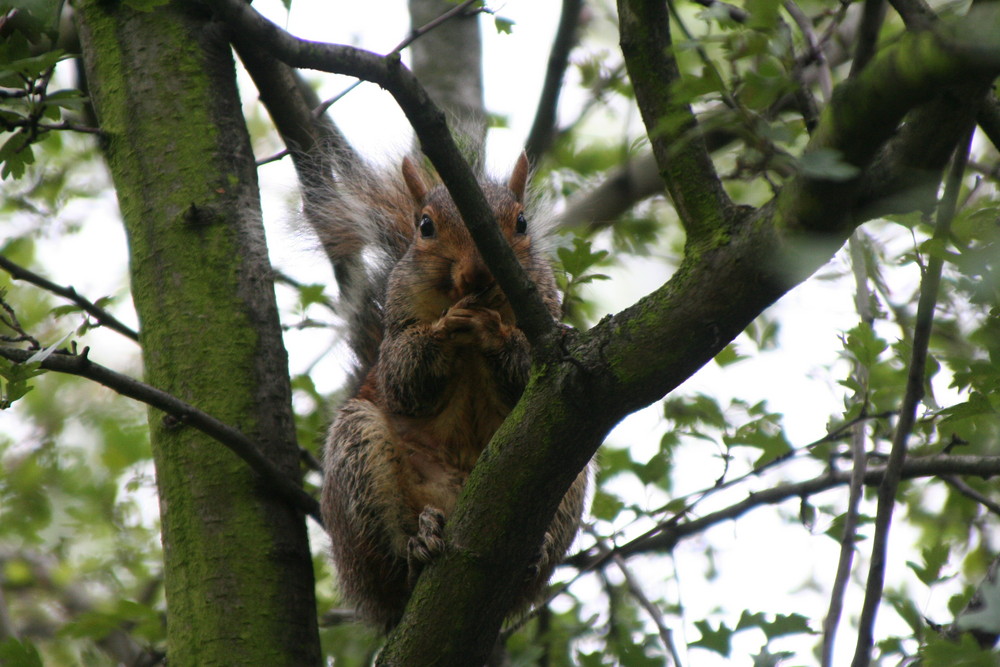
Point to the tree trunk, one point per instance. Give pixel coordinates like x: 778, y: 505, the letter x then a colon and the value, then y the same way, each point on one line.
x: 237, y: 567
x: 456, y: 89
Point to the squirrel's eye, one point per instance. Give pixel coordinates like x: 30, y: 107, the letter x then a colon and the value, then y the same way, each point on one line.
x: 522, y: 224
x: 426, y: 227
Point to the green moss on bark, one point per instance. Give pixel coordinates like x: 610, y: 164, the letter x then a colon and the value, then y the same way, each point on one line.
x: 237, y: 566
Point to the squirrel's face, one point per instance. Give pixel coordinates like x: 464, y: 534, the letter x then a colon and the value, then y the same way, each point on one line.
x: 446, y: 259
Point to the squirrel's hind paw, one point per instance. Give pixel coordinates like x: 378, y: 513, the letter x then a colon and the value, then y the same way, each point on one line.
x: 427, y: 544
x: 542, y: 558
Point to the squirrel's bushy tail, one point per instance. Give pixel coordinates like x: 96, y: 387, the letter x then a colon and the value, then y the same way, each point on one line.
x: 364, y: 223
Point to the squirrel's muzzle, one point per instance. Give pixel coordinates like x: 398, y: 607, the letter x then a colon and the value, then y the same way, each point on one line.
x: 471, y: 277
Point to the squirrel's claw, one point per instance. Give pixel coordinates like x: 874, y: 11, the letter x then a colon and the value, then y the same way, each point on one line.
x: 542, y: 558
x: 427, y: 544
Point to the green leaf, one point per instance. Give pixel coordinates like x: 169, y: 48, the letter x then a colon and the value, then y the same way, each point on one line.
x: 786, y: 624
x: 579, y: 258
x: 15, y: 380
x: 14, y: 653
x: 864, y: 346
x: 594, y: 659
x: 32, y: 67
x: 714, y: 640
x: 836, y: 529
x: 504, y: 26
x: 729, y: 355
x: 96, y: 625
x: 310, y: 294
x: 606, y: 506
x: 655, y: 470
x: 68, y: 99
x: 764, y: 434
x: 764, y: 85
x: 935, y: 557
x: 966, y: 652
x: 763, y: 14
x: 767, y: 659
x: 15, y: 155
x: 124, y: 444
x: 690, y: 411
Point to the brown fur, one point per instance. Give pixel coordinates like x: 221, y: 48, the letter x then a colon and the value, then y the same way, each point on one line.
x: 450, y: 363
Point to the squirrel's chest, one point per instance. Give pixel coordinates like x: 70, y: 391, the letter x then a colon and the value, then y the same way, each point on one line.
x: 471, y: 408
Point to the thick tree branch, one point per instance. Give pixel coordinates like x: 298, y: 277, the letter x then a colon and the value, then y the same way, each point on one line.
x: 989, y: 119
x: 435, y: 140
x: 543, y: 129
x: 685, y: 165
x: 906, y: 174
x: 916, y: 14
x: 103, y: 317
x: 867, y: 109
x: 183, y: 414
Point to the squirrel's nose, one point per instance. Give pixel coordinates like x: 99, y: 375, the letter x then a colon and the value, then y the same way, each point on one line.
x: 473, y: 276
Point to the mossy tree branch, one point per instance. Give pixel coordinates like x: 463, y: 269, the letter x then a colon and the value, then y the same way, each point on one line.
x: 866, y: 112
x: 680, y: 150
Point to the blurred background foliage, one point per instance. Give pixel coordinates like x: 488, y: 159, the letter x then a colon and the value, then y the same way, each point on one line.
x: 79, y: 545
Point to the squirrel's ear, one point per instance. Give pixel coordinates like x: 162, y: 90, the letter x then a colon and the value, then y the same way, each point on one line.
x: 519, y: 177
x: 414, y: 181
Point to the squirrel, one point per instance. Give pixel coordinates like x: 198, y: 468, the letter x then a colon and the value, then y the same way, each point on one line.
x: 440, y: 364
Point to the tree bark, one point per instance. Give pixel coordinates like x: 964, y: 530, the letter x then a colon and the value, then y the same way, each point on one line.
x: 448, y: 62
x: 237, y: 567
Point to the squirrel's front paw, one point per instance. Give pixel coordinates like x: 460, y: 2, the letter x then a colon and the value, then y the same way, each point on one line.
x: 427, y: 544
x: 470, y: 326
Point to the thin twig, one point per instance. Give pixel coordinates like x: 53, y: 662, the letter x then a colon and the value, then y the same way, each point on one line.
x: 908, y: 412
x: 863, y: 303
x: 32, y: 124
x: 969, y: 492
x: 834, y: 435
x: 872, y: 17
x: 814, y: 52
x: 103, y: 317
x: 9, y: 319
x: 927, y: 466
x: 666, y: 634
x: 415, y: 34
x: 543, y: 129
x: 237, y: 442
x: 273, y: 158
